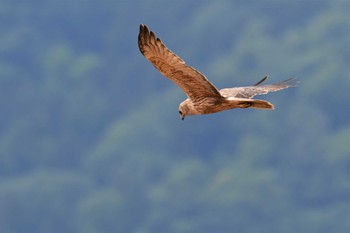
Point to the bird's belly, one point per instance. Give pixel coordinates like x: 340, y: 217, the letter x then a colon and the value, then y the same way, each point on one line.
x: 211, y: 105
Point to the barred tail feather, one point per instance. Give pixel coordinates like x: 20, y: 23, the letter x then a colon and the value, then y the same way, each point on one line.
x: 261, y: 104
x: 251, y: 103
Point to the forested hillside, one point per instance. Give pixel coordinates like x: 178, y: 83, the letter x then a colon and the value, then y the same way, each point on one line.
x: 91, y: 140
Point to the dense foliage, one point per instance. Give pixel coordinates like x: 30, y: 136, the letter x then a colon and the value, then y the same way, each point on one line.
x: 90, y: 137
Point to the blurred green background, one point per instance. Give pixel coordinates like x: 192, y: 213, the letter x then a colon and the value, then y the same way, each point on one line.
x: 91, y: 140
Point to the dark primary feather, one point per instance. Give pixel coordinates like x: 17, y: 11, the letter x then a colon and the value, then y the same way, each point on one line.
x: 261, y: 81
x: 251, y: 91
x: 191, y: 81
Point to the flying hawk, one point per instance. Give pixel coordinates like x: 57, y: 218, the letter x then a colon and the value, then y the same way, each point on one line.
x: 203, y: 96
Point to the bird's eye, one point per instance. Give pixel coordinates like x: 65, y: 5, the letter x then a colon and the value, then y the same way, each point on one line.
x: 180, y: 113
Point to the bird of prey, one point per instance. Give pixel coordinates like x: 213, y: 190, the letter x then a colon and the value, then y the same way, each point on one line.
x: 203, y: 96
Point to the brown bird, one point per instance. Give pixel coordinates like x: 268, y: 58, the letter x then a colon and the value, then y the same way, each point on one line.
x: 203, y: 96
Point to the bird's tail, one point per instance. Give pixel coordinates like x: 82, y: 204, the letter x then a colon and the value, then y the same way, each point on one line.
x: 254, y: 103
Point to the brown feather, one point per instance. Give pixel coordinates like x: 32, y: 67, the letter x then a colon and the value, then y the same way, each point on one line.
x: 191, y: 81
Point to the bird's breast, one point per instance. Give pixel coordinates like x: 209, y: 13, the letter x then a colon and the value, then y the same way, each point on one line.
x: 210, y: 105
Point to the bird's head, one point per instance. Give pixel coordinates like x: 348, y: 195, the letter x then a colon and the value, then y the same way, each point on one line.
x: 182, y: 113
x: 184, y: 109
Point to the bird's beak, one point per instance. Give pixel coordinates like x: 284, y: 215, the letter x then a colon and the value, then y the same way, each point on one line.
x: 183, y: 118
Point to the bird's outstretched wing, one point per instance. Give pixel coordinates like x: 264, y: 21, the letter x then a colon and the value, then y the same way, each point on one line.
x: 251, y: 91
x: 192, y: 82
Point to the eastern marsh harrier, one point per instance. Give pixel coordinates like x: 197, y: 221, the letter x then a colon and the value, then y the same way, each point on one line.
x: 203, y: 96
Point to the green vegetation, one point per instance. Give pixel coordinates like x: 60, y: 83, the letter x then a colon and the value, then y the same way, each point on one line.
x: 90, y: 137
